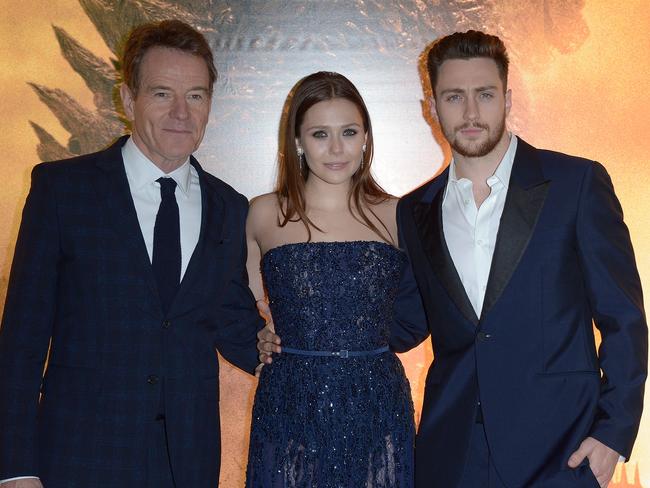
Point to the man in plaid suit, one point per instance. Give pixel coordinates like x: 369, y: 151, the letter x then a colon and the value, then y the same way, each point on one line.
x: 130, y: 270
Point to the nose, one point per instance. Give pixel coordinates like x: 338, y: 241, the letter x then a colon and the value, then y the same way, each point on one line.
x: 179, y: 108
x: 336, y: 144
x: 471, y: 109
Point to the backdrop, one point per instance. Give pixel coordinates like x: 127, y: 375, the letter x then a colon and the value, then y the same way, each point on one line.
x: 580, y: 71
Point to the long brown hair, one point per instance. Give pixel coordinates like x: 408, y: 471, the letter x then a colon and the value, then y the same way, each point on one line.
x: 292, y: 175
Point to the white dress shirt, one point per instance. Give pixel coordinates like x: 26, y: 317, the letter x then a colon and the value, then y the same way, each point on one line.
x: 142, y: 174
x: 145, y: 191
x: 470, y: 232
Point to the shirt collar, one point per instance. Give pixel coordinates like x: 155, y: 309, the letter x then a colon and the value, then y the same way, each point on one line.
x: 504, y: 169
x: 141, y: 171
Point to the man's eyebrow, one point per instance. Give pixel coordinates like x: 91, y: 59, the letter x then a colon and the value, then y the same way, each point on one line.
x: 165, y: 87
x: 477, y: 89
x: 452, y: 90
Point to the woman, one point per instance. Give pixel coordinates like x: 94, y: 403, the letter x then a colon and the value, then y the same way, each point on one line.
x: 334, y: 409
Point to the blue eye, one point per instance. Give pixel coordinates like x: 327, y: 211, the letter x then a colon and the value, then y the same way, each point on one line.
x: 453, y: 98
x: 350, y: 132
x: 487, y: 95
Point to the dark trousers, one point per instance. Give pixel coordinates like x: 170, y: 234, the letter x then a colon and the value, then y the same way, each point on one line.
x: 479, y: 471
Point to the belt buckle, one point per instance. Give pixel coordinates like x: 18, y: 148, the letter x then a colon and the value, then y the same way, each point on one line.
x: 342, y: 353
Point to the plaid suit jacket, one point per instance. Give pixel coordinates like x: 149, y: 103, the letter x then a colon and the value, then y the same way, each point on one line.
x: 82, y: 288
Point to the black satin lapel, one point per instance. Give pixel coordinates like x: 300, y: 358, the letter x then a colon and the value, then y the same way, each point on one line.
x: 210, y: 238
x: 520, y: 214
x: 115, y: 195
x: 428, y: 218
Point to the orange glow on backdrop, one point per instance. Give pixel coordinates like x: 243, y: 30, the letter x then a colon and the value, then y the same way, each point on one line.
x: 580, y: 85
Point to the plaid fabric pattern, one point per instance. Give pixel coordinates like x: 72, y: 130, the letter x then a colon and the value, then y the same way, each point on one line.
x: 81, y: 279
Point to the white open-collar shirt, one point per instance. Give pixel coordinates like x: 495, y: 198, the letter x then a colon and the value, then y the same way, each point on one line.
x: 470, y: 232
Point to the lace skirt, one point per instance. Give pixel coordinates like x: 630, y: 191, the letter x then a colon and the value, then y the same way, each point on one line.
x: 332, y: 423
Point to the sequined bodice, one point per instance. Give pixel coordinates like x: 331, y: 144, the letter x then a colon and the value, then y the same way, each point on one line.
x: 333, y: 295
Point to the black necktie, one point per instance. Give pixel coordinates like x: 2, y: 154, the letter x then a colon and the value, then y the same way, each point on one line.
x: 167, y: 244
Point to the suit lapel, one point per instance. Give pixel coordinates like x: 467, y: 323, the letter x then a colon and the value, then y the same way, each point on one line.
x: 428, y: 218
x: 210, y: 237
x: 527, y: 192
x: 115, y: 193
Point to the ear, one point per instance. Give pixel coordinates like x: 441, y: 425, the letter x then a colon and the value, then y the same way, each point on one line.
x: 128, y: 101
x: 298, y: 142
x: 433, y: 110
x: 508, y: 101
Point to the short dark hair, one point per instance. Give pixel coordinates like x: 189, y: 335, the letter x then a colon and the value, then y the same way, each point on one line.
x: 172, y: 34
x: 467, y: 45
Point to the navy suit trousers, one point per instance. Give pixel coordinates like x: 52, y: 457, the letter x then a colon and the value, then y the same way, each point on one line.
x: 479, y: 469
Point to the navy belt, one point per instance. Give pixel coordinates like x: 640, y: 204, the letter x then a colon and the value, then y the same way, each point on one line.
x: 344, y: 353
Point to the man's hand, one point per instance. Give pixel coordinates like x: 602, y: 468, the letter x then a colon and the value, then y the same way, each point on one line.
x: 267, y: 341
x: 602, y: 459
x: 23, y: 483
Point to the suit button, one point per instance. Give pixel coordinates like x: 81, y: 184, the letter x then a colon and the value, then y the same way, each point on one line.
x: 166, y: 324
x: 483, y: 336
x: 152, y: 379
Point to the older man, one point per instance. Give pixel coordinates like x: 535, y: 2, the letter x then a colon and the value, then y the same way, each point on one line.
x: 130, y: 269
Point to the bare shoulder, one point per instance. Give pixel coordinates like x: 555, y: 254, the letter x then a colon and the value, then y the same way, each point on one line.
x: 386, y: 210
x: 263, y: 205
x: 263, y: 210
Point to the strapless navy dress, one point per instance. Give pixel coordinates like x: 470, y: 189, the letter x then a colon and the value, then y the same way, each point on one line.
x: 334, y: 410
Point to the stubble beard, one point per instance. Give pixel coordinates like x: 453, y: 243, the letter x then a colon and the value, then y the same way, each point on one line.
x: 477, y: 150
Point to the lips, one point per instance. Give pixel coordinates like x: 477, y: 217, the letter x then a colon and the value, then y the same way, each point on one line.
x: 472, y: 130
x: 336, y: 166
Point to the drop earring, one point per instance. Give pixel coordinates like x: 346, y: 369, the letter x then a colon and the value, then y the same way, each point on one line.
x: 301, y: 159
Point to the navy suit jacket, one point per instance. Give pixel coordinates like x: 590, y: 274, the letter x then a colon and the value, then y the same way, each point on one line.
x: 563, y: 259
x: 82, y: 284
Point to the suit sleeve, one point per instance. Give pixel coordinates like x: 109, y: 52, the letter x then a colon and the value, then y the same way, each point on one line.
x: 409, y: 327
x: 27, y: 327
x: 616, y: 300
x: 237, y: 340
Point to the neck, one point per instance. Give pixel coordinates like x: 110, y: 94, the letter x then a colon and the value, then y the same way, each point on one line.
x: 168, y: 166
x: 479, y: 169
x: 165, y: 165
x: 320, y: 195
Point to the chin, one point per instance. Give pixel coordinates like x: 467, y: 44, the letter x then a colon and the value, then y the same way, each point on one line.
x: 475, y: 149
x: 180, y: 151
